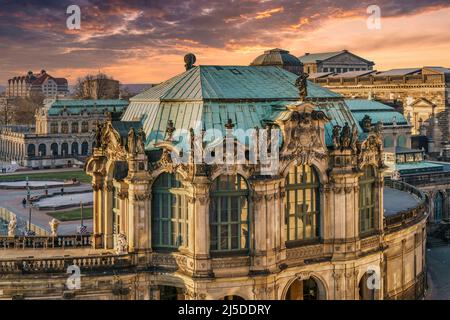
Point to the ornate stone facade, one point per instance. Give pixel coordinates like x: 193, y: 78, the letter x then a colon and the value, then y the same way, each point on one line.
x: 63, y: 133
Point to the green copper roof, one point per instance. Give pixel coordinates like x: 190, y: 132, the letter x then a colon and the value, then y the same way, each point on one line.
x: 418, y: 167
x: 96, y: 106
x: 377, y: 111
x: 205, y: 97
x: 231, y: 82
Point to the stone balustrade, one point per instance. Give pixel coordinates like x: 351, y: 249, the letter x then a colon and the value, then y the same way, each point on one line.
x: 45, y: 242
x: 60, y: 264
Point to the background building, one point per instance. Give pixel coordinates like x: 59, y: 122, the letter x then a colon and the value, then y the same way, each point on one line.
x: 421, y: 94
x: 336, y: 62
x: 62, y: 135
x: 280, y: 58
x: 42, y: 83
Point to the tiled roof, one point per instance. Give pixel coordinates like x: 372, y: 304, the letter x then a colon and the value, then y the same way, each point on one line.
x: 313, y: 57
x: 352, y: 74
x: 398, y: 72
x: 317, y: 75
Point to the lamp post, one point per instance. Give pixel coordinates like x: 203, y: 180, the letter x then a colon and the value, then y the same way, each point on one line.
x: 29, y: 205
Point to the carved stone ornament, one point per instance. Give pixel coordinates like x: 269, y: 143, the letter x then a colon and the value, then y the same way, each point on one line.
x: 303, y: 134
x: 302, y: 85
x: 371, y: 149
x: 12, y: 226
x: 54, y: 227
x: 122, y: 244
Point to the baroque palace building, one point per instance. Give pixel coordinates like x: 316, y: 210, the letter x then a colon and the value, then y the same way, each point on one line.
x: 62, y: 135
x: 421, y: 94
x: 314, y: 227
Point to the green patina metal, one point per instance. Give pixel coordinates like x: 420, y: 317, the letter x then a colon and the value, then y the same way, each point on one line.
x: 205, y: 97
x: 418, y: 167
x: 75, y: 107
x: 377, y: 111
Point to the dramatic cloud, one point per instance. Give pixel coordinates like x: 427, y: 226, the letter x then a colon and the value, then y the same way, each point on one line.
x: 140, y: 41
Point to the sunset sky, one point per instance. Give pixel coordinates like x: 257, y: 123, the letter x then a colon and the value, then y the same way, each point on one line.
x: 145, y: 41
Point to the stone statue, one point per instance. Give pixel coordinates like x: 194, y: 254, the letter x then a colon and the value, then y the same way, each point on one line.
x: 122, y: 244
x: 366, y: 123
x: 302, y: 85
x: 54, y: 227
x: 336, y: 132
x: 345, y: 136
x: 98, y: 135
x: 140, y: 145
x: 131, y: 141
x: 170, y: 130
x: 12, y: 226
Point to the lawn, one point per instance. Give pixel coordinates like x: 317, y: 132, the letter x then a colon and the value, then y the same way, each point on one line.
x: 71, y: 215
x: 50, y: 176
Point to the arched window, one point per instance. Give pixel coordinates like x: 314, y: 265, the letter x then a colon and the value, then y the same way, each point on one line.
x: 388, y: 142
x: 54, y: 127
x: 401, y: 141
x: 64, y: 149
x: 170, y: 220
x: 367, y: 200
x: 229, y: 214
x: 74, y: 127
x: 84, y: 148
x: 438, y: 206
x: 303, y: 290
x: 54, y: 149
x: 302, y: 204
x: 75, y: 148
x: 42, y: 150
x: 84, y: 126
x: 64, y: 127
x: 31, y: 150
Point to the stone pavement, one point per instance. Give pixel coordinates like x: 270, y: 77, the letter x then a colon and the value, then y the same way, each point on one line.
x: 438, y: 262
x: 12, y: 201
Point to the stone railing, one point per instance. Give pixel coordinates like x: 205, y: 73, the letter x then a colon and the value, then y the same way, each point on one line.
x: 45, y: 242
x: 408, y: 216
x: 380, y: 80
x: 60, y: 264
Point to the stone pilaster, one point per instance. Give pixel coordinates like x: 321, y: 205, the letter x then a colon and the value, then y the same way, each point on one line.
x: 199, y: 229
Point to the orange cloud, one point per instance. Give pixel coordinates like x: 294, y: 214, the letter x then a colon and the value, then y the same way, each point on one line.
x: 268, y: 13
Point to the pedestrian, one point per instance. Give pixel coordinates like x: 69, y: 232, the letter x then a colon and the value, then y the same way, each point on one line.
x: 24, y: 202
x: 62, y: 191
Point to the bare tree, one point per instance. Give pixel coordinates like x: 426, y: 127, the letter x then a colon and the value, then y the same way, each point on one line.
x: 100, y: 86
x: 5, y: 111
x: 24, y: 109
